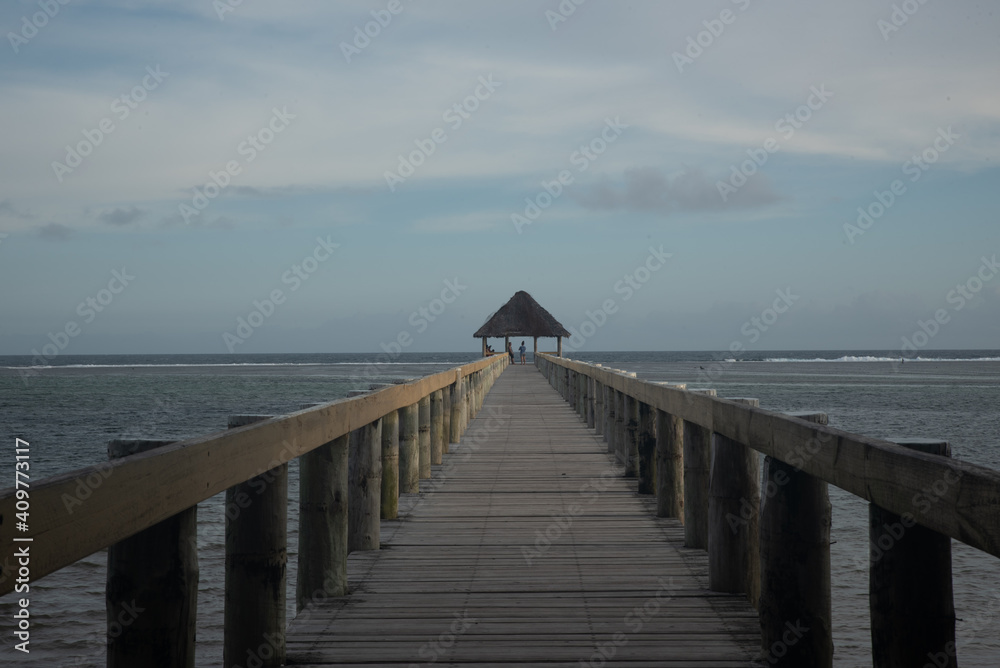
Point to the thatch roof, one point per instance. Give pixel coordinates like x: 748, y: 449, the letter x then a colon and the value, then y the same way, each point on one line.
x: 521, y: 316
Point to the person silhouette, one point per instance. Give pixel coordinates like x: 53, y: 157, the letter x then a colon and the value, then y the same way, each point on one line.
x: 521, y: 350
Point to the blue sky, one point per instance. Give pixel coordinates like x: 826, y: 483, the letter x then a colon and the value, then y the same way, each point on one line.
x: 642, y: 108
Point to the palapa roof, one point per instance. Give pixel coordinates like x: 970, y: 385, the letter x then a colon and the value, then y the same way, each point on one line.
x: 521, y: 316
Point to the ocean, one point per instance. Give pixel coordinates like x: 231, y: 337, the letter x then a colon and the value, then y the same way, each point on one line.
x: 69, y: 411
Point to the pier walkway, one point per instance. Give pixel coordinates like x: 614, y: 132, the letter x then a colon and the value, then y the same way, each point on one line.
x: 528, y: 547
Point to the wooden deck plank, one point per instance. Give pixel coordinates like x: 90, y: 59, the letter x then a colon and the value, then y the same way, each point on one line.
x: 528, y: 548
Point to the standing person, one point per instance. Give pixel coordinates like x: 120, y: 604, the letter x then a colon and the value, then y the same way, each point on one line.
x: 510, y: 351
x: 521, y: 350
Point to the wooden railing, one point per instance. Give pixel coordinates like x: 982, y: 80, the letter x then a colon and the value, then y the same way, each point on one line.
x: 356, y: 456
x: 698, y: 454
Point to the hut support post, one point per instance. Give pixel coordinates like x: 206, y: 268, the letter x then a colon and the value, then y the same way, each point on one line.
x: 156, y: 570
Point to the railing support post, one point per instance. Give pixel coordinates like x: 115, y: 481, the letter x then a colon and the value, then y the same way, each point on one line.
x: 646, y: 447
x: 795, y: 563
x: 365, y: 478
x: 424, y: 437
x: 323, y: 493
x: 669, y: 466
x: 734, y: 517
x: 155, y: 570
x: 409, y: 449
x: 630, y: 426
x: 910, y: 570
x: 697, y: 463
x: 256, y: 564
x: 390, y: 466
x: 455, y: 427
x: 437, y: 426
x: 599, y: 408
x: 446, y: 419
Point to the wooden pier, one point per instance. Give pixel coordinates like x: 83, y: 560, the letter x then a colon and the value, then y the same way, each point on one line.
x: 488, y: 515
x: 529, y: 547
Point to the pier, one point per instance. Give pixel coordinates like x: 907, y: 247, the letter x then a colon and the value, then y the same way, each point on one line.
x: 563, y: 514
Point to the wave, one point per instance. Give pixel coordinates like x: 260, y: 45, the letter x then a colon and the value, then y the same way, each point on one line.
x: 868, y: 358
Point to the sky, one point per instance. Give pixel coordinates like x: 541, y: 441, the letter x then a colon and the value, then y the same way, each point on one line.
x: 244, y: 177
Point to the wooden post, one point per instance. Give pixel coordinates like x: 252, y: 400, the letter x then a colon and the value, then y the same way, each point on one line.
x: 598, y: 408
x: 437, y: 426
x: 409, y: 449
x: 455, y: 410
x: 795, y: 564
x: 646, y: 448
x: 256, y: 565
x: 364, y: 467
x: 697, y: 463
x: 536, y: 347
x: 669, y: 466
x: 631, y: 419
x: 445, y: 419
x: 910, y: 587
x: 611, y: 420
x: 390, y: 466
x: 323, y: 494
x: 558, y: 346
x: 424, y: 437
x: 733, y: 517
x: 155, y: 572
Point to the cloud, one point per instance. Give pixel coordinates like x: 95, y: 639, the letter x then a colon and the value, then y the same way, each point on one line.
x: 55, y: 232
x: 8, y: 210
x: 121, y: 216
x: 649, y: 190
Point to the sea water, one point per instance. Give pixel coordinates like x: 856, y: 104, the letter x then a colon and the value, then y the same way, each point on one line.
x: 69, y: 411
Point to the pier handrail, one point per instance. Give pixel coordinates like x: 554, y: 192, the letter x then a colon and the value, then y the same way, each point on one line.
x: 878, y: 471
x: 141, y: 490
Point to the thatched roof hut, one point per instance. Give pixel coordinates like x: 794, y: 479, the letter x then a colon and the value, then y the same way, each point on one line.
x: 522, y: 316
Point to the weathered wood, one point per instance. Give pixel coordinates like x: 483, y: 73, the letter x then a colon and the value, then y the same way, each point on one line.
x: 621, y: 420
x: 610, y: 419
x: 437, y: 426
x: 734, y: 517
x: 591, y: 401
x: 151, y: 596
x: 646, y: 440
x: 599, y: 408
x: 424, y: 437
x: 697, y: 464
x: 409, y: 449
x: 140, y: 491
x: 390, y: 466
x: 256, y: 564
x: 631, y: 433
x: 446, y: 419
x: 455, y: 393
x: 795, y: 522
x: 323, y: 547
x: 669, y: 465
x: 910, y: 570
x: 364, y: 469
